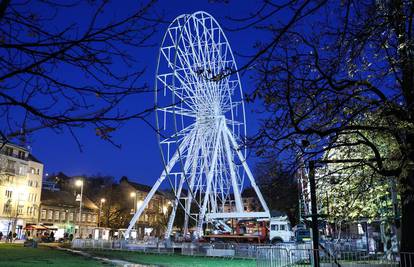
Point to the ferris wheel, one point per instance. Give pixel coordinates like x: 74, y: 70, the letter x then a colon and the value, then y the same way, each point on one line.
x: 201, y: 126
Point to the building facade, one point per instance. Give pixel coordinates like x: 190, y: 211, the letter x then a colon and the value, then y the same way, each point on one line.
x: 155, y: 216
x: 59, y: 212
x: 20, y: 188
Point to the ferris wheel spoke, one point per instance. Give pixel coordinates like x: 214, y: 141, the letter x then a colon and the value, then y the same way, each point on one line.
x: 178, y: 111
x: 162, y: 78
x: 178, y: 136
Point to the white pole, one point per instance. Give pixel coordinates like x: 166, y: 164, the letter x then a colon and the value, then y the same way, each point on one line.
x: 157, y: 184
x: 209, y: 183
x: 248, y: 172
x: 80, y: 211
x: 180, y: 187
x: 236, y: 191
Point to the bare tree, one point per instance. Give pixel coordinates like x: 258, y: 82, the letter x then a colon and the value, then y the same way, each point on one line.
x: 63, y: 74
x: 325, y: 66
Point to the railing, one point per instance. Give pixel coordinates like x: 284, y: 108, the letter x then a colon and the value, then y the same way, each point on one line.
x: 147, y: 247
x: 278, y: 257
x: 265, y: 255
x: 231, y: 250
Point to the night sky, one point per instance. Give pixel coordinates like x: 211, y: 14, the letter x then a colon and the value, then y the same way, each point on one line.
x: 139, y: 157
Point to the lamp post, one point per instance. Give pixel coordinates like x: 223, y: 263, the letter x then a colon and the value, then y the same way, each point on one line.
x: 133, y: 195
x: 314, y: 211
x: 79, y: 183
x: 100, y: 211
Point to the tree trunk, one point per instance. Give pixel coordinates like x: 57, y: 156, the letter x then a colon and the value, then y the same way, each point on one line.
x: 3, y: 6
x: 407, y: 212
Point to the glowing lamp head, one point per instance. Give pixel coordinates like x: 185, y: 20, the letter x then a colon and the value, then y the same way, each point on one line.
x: 79, y: 183
x: 103, y: 200
x: 133, y: 194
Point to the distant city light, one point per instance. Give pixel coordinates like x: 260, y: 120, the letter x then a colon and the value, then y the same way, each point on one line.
x: 79, y: 183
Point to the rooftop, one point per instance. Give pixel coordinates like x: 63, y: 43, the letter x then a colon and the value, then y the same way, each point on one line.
x: 64, y: 199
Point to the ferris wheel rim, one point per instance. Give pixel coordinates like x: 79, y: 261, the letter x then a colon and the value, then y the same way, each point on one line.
x: 187, y: 18
x: 240, y: 89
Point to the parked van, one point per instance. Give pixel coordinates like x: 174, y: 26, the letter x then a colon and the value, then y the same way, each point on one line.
x: 280, y: 230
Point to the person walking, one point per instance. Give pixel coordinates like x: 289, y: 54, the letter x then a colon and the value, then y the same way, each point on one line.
x: 9, y: 237
x: 1, y: 236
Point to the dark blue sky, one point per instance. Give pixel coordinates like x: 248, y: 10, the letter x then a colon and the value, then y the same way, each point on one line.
x: 139, y: 157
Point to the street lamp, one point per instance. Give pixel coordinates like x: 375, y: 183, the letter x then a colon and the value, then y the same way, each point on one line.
x: 133, y: 195
x: 100, y: 211
x: 79, y: 183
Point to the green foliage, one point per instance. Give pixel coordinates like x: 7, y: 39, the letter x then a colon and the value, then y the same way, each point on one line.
x: 355, y: 190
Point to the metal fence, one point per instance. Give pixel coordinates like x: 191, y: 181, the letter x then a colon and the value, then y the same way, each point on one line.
x: 146, y: 247
x: 232, y: 250
x: 278, y: 257
x: 265, y: 255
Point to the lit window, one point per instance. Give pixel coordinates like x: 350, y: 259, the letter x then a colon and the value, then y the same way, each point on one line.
x: 43, y: 214
x: 56, y: 215
x: 21, y: 154
x: 71, y: 216
x: 20, y: 209
x: 7, y: 208
x: 63, y: 216
x: 9, y: 151
x: 9, y: 193
x: 83, y: 217
x: 50, y: 214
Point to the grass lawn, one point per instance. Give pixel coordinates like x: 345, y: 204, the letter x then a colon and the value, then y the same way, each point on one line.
x: 17, y: 255
x: 173, y: 260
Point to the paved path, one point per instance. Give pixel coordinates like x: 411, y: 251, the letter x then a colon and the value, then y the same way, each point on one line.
x: 107, y: 260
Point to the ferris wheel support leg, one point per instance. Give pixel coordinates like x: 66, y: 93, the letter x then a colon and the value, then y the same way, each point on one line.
x: 236, y: 191
x: 247, y: 169
x: 180, y: 187
x: 209, y: 182
x: 173, y: 212
x: 190, y: 196
x: 154, y: 189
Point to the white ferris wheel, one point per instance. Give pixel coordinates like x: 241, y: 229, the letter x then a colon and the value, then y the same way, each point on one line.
x: 201, y: 123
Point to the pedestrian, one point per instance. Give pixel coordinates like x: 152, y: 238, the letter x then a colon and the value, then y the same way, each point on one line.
x: 1, y: 235
x: 9, y: 237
